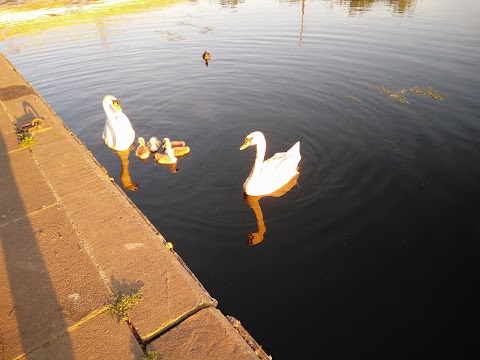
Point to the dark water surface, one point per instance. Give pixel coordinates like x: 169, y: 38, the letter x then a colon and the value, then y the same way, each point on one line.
x: 374, y: 252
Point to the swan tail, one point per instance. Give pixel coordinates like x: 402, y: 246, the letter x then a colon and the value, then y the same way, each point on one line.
x: 294, y: 149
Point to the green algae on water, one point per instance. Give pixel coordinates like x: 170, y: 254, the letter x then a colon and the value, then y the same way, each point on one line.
x: 354, y: 99
x: 434, y: 94
x: 400, y: 95
x: 429, y: 91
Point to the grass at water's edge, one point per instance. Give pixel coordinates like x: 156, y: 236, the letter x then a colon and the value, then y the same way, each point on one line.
x: 19, y: 18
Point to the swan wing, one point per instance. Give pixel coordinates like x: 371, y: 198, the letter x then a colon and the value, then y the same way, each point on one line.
x: 283, y: 162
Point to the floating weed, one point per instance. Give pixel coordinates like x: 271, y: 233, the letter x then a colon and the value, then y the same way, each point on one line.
x: 385, y: 90
x: 431, y: 92
x: 434, y: 94
x: 25, y: 139
x: 150, y: 355
x: 400, y: 97
x: 354, y: 99
x: 124, y: 302
x: 417, y: 90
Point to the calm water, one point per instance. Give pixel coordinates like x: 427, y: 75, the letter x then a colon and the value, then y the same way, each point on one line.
x: 374, y: 252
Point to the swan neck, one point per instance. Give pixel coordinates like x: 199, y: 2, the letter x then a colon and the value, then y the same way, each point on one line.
x: 261, y: 148
x: 108, y: 110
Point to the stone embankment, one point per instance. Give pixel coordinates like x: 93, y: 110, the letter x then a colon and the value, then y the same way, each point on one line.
x: 71, y: 243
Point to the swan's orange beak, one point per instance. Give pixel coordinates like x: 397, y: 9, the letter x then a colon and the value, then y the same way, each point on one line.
x: 245, y: 144
x: 116, y: 104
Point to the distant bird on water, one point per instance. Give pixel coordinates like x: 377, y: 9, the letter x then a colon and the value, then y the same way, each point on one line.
x: 206, y: 56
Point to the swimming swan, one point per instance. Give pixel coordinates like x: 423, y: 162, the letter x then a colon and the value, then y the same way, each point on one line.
x: 177, y: 150
x: 142, y: 151
x: 118, y: 133
x: 153, y: 144
x: 271, y: 174
x: 167, y: 158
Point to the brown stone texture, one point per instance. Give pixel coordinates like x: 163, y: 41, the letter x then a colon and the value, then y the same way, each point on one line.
x: 8, y: 136
x: 24, y: 189
x: 52, y: 281
x: 102, y: 337
x: 206, y: 335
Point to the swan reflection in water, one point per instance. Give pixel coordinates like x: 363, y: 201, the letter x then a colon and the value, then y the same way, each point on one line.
x: 255, y: 238
x: 127, y: 182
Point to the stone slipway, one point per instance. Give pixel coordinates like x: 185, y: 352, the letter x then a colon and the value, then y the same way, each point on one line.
x: 71, y: 240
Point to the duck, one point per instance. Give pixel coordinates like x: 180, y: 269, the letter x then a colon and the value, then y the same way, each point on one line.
x: 153, y: 144
x: 174, y: 143
x: 206, y: 56
x: 167, y: 158
x: 142, y: 151
x: 118, y: 132
x: 269, y: 175
x: 177, y: 150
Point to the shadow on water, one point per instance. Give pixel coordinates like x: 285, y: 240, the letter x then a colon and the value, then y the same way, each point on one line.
x: 30, y: 293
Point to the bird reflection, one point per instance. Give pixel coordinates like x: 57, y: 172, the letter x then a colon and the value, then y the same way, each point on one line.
x: 303, y: 16
x: 173, y: 167
x: 256, y: 237
x: 127, y: 182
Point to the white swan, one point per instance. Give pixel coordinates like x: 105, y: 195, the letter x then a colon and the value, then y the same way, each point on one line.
x: 271, y: 174
x: 118, y: 133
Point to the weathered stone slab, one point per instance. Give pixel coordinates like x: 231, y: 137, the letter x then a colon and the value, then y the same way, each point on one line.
x: 24, y: 189
x: 128, y: 250
x: 100, y: 338
x: 14, y: 92
x: 48, y: 280
x: 206, y: 335
x: 9, y: 75
x: 8, y: 135
x: 30, y: 106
